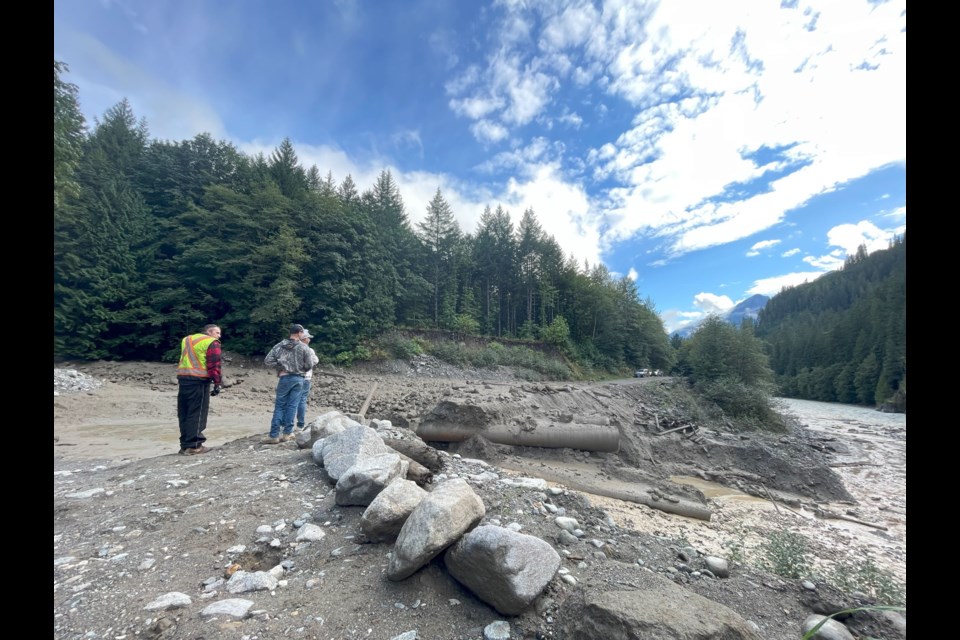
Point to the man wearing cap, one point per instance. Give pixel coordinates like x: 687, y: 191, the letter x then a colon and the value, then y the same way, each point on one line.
x: 291, y: 359
x: 198, y: 367
x: 307, y: 381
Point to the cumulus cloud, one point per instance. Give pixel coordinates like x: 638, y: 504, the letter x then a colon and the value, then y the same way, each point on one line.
x: 790, y: 252
x: 850, y: 236
x: 632, y: 274
x: 760, y: 246
x: 488, y: 131
x: 709, y: 303
x: 773, y: 286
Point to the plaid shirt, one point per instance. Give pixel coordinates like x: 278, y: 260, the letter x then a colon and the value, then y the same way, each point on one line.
x: 213, y: 361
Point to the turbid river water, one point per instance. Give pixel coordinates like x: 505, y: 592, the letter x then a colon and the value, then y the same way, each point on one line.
x: 870, y: 455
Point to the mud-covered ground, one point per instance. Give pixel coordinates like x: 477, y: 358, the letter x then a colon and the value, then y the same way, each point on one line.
x: 133, y: 520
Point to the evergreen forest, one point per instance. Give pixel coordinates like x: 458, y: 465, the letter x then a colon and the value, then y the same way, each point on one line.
x: 155, y: 238
x: 843, y: 337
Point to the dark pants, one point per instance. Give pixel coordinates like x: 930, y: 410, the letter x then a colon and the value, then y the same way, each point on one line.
x: 193, y: 402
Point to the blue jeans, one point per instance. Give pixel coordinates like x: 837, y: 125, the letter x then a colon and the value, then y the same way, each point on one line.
x: 285, y: 407
x: 302, y: 406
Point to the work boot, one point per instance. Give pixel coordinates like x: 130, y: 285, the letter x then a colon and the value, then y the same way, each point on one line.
x: 269, y: 440
x: 194, y: 451
x: 287, y: 437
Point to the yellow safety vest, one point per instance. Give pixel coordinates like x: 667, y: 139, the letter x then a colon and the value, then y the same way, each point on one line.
x: 193, y: 356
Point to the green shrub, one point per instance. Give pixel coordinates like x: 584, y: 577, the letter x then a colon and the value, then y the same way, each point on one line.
x: 865, y: 576
x: 401, y: 347
x: 450, y: 352
x: 785, y: 554
x: 750, y: 404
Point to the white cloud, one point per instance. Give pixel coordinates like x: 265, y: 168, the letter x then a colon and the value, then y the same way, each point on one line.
x: 571, y: 119
x: 443, y: 44
x: 897, y: 215
x: 764, y: 244
x: 487, y: 131
x: 408, y: 138
x: 790, y: 252
x: 709, y: 303
x: 789, y: 86
x: 563, y: 210
x: 524, y: 160
x: 773, y: 286
x: 632, y: 274
x: 475, y: 107
x: 171, y: 114
x: 828, y: 262
x: 674, y: 320
x: 850, y: 236
x: 760, y: 246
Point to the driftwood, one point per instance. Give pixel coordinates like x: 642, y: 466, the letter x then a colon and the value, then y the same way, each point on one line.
x: 669, y: 505
x: 366, y: 403
x: 686, y: 426
x: 415, y: 471
x: 770, y: 497
x: 832, y: 515
x: 417, y: 450
x: 863, y: 463
x: 329, y: 373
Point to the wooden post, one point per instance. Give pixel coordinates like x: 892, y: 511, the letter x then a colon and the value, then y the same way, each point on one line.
x: 366, y: 403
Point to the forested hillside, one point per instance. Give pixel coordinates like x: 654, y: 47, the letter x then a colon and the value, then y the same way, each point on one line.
x: 843, y: 337
x: 154, y: 238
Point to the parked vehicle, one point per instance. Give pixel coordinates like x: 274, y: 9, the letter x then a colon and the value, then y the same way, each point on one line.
x: 641, y: 373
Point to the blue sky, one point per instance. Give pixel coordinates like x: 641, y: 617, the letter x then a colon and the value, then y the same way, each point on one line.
x: 710, y: 150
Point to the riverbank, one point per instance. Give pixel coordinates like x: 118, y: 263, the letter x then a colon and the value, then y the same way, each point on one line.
x: 121, y: 438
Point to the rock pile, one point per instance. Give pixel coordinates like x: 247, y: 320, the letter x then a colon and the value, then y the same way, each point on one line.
x: 72, y: 381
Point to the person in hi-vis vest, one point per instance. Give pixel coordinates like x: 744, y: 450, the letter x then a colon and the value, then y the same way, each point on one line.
x: 199, y: 368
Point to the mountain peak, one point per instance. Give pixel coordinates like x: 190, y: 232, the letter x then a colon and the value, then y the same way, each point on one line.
x: 749, y: 308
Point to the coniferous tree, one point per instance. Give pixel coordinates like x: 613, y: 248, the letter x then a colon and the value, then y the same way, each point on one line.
x: 99, y: 240
x: 494, y: 251
x: 69, y: 129
x: 440, y: 233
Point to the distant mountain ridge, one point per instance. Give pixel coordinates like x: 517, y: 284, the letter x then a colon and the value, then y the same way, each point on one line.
x: 749, y: 308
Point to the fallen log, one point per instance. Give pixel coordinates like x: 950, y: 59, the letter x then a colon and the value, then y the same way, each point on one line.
x: 853, y: 464
x: 832, y: 515
x: 669, y: 505
x: 366, y: 403
x: 329, y: 373
x: 686, y: 426
x: 415, y: 471
x: 418, y: 450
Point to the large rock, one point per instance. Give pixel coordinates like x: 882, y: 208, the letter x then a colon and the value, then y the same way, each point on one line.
x: 831, y: 629
x: 383, y: 519
x: 343, y: 450
x: 505, y: 569
x: 444, y: 515
x: 323, y: 426
x: 657, y: 610
x: 361, y: 483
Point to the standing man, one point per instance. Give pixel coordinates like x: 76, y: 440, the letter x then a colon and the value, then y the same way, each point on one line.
x: 199, y: 367
x: 307, y: 381
x: 291, y: 359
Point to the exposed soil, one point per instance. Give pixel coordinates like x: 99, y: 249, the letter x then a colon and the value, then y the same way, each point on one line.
x: 133, y: 520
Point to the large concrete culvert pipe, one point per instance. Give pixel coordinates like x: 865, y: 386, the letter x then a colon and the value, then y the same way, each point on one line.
x: 587, y: 437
